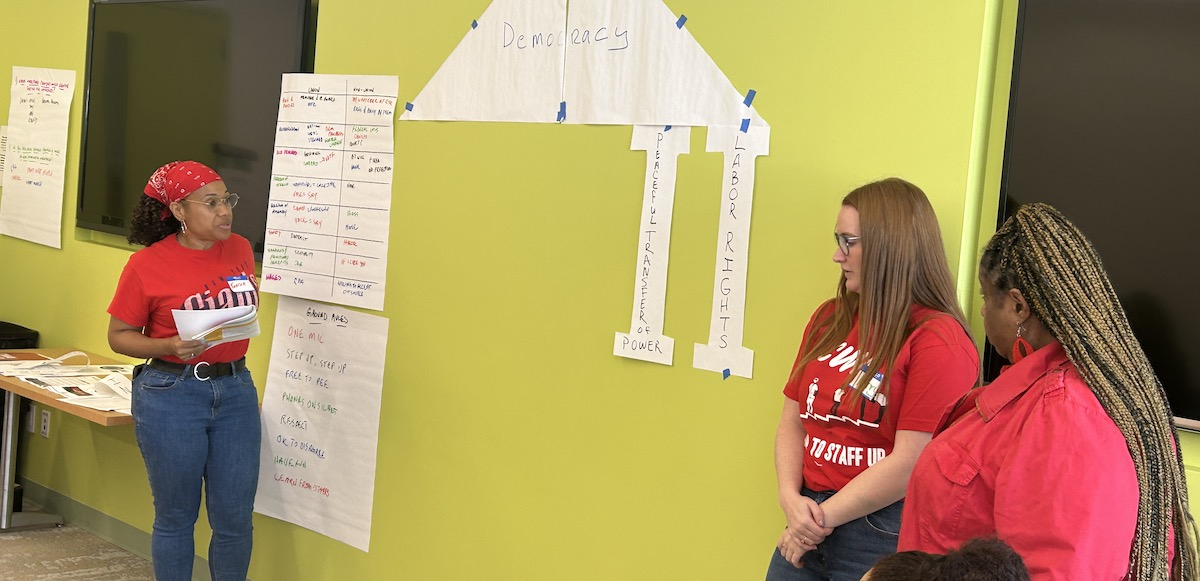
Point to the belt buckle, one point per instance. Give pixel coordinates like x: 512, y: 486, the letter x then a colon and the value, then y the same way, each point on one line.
x: 196, y: 371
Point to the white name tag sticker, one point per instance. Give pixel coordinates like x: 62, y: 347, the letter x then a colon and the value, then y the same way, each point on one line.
x: 240, y: 284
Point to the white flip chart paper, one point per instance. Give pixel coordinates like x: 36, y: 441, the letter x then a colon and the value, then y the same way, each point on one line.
x: 328, y: 213
x: 645, y: 339
x: 38, y: 115
x: 508, y: 67
x: 320, y: 418
x: 724, y: 352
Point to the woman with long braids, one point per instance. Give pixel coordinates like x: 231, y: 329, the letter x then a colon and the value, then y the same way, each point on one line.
x: 1071, y: 454
x: 878, y: 364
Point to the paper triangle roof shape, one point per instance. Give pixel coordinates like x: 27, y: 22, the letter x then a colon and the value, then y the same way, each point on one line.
x: 612, y: 62
x: 489, y: 77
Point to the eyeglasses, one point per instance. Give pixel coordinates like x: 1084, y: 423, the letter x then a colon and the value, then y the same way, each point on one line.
x: 845, y: 241
x: 230, y: 201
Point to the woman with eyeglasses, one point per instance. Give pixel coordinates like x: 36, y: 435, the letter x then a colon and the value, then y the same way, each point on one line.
x: 195, y: 406
x: 878, y: 365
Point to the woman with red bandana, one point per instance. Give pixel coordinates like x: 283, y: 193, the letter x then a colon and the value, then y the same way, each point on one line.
x: 195, y: 406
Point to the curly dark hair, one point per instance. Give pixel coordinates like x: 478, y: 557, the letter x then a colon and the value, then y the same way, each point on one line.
x: 147, y: 225
x: 980, y: 559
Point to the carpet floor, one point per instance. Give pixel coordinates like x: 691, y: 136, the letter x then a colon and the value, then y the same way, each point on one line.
x: 67, y: 552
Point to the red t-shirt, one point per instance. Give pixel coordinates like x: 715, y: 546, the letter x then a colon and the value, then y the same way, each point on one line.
x: 936, y: 365
x: 1034, y: 459
x: 166, y: 276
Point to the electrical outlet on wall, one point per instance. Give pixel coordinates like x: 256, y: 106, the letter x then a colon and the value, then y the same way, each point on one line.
x: 29, y: 415
x: 45, y: 423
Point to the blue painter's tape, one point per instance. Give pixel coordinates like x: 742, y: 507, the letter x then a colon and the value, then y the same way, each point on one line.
x: 745, y: 125
x: 408, y: 106
x: 474, y: 24
x: 562, y: 111
x: 750, y: 97
x: 679, y: 23
x: 725, y: 374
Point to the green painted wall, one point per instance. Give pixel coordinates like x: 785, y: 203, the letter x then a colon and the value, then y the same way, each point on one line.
x: 511, y: 439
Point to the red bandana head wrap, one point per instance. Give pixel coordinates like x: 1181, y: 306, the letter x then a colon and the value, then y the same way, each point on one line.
x: 174, y: 181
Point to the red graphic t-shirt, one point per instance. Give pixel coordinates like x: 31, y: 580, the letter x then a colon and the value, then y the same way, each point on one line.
x: 166, y: 276
x: 846, y: 432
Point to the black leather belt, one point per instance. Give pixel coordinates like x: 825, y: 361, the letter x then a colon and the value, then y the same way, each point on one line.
x: 201, y: 370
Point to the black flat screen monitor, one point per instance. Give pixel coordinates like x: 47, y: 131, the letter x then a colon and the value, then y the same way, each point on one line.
x: 1104, y: 124
x: 171, y: 80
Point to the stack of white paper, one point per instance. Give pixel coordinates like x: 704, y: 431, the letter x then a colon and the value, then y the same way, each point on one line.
x: 216, y: 326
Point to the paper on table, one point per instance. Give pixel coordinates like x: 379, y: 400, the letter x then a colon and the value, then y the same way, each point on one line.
x: 74, y: 370
x: 68, y: 387
x: 23, y: 366
x: 216, y: 326
x: 112, y: 393
x: 120, y: 384
x: 105, y: 404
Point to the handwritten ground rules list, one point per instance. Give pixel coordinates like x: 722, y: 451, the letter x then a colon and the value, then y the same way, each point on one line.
x: 331, y: 189
x: 320, y: 416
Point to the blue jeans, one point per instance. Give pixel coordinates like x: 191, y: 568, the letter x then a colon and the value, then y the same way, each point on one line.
x: 193, y: 432
x: 847, y: 553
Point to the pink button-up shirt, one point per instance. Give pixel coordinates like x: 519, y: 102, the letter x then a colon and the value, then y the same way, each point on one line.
x: 1035, y: 460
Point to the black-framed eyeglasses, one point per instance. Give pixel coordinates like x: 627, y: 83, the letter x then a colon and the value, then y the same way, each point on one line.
x: 845, y: 242
x: 231, y: 201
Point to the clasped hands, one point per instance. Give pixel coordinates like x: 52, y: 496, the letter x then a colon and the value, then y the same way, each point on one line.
x: 805, y: 529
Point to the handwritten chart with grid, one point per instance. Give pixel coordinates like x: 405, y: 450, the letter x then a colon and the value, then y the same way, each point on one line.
x: 329, y: 208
